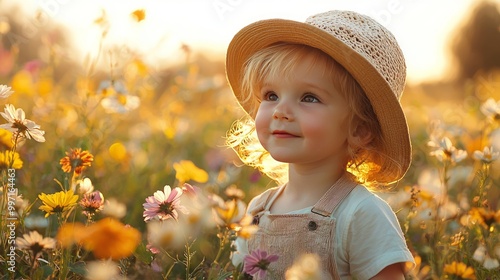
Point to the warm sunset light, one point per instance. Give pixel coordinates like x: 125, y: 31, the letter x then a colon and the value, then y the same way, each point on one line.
x: 423, y: 28
x: 211, y: 139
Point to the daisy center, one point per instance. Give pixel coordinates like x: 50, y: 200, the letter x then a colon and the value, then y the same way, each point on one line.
x: 19, y: 125
x: 263, y: 264
x: 58, y: 209
x: 166, y: 208
x: 36, y: 248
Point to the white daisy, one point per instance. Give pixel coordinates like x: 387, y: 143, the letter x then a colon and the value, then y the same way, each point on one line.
x: 19, y: 125
x: 5, y: 91
x: 488, y: 155
x: 491, y: 109
x: 35, y: 242
x: 447, y: 152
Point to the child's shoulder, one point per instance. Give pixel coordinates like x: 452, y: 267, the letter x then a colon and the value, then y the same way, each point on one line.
x: 362, y: 200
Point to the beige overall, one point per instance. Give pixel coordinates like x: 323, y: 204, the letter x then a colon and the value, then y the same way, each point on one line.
x: 291, y: 235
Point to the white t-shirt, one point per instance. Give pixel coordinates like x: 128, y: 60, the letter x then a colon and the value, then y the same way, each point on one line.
x: 368, y: 236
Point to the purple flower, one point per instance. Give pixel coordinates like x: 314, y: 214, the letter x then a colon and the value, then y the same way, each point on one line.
x: 257, y: 263
x: 164, y: 204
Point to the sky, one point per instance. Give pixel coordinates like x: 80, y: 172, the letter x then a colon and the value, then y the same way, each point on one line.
x: 423, y: 28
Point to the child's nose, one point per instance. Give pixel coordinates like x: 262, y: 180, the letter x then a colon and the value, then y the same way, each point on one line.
x: 283, y: 112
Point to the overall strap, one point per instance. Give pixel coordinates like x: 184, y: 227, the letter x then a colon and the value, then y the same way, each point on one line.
x: 259, y: 203
x: 335, y: 195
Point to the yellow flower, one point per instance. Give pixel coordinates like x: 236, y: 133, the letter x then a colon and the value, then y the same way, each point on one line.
x: 118, y: 151
x: 23, y: 83
x: 138, y: 15
x: 107, y: 238
x: 484, y: 217
x: 137, y: 68
x: 59, y: 202
x: 45, y: 86
x: 460, y: 269
x: 186, y: 170
x: 230, y: 213
x: 6, y: 138
x: 9, y: 159
x: 421, y: 271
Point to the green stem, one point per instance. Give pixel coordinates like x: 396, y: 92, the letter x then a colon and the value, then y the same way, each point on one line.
x: 222, y: 241
x: 482, y: 182
x: 13, y: 150
x: 64, y: 264
x: 169, y: 271
x: 438, y: 222
x: 188, y: 259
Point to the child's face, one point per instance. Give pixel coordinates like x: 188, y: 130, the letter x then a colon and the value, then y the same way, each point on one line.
x: 303, y: 119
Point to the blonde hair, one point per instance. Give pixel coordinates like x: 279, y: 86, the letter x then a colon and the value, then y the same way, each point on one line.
x: 279, y: 60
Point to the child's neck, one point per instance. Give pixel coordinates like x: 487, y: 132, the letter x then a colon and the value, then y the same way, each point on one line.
x: 304, y: 189
x: 320, y: 179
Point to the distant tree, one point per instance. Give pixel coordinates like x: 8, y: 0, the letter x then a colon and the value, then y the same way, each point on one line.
x: 476, y: 46
x: 36, y: 37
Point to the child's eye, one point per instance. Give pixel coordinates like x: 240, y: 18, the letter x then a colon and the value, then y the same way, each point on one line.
x: 270, y: 96
x: 310, y: 98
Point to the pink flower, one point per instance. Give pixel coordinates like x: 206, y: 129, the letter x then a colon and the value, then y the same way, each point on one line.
x: 92, y: 203
x: 191, y: 191
x: 164, y: 204
x: 257, y: 263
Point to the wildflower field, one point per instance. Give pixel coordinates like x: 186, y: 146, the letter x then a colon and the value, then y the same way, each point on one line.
x: 115, y: 169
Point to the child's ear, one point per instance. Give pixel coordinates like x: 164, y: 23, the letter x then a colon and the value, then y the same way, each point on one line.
x: 362, y: 135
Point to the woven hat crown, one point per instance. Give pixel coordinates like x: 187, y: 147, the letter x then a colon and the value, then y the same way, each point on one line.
x: 369, y: 39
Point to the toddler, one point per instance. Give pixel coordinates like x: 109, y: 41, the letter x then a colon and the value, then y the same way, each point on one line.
x: 324, y: 120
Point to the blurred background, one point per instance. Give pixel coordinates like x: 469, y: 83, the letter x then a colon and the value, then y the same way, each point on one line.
x: 426, y: 30
x: 141, y: 84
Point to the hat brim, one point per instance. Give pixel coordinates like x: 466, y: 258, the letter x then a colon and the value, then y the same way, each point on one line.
x: 261, y: 34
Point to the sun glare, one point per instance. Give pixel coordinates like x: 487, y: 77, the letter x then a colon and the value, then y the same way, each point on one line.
x: 210, y: 25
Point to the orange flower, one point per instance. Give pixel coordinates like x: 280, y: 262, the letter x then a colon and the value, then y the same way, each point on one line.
x: 76, y: 160
x: 70, y: 233
x: 108, y: 238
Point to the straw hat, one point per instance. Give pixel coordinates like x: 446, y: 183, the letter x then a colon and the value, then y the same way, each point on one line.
x: 364, y: 47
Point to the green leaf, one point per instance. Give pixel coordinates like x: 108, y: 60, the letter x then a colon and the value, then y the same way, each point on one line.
x: 78, y: 268
x: 143, y: 254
